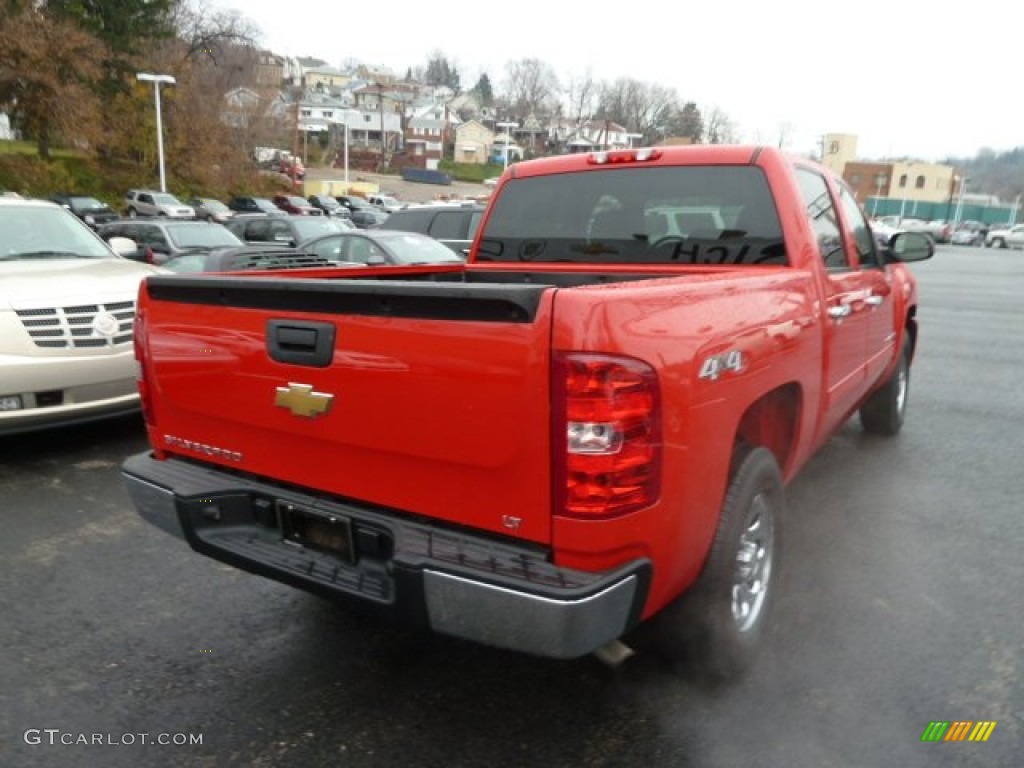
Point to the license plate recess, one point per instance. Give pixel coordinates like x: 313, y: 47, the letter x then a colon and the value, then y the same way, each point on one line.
x: 318, y: 531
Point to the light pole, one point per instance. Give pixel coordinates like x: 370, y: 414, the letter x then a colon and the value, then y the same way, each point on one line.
x: 880, y: 180
x: 952, y: 189
x: 146, y: 77
x: 960, y: 203
x: 508, y: 138
x: 347, y: 114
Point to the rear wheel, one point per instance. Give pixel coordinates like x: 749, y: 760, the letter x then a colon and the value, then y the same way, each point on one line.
x: 885, y: 409
x: 132, y: 213
x: 718, y: 624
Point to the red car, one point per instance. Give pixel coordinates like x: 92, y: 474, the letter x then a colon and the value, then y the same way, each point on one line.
x: 297, y: 205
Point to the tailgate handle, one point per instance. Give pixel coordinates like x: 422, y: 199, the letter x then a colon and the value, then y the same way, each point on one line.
x: 301, y: 342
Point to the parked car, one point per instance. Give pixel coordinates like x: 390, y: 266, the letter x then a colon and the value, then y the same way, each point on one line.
x: 67, y: 306
x: 385, y: 203
x: 329, y: 205
x: 380, y: 247
x: 262, y: 205
x: 158, y: 241
x: 296, y: 205
x: 354, y: 202
x: 368, y: 218
x: 90, y: 210
x: 453, y: 225
x: 249, y: 257
x: 884, y: 228
x: 967, y: 237
x: 940, y: 231
x: 968, y: 233
x: 209, y: 209
x: 1005, y: 237
x: 285, y: 230
x: 144, y: 202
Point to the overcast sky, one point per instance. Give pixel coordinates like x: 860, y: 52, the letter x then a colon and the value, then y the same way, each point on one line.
x: 907, y: 77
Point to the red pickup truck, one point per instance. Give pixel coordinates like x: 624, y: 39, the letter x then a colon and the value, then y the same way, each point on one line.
x: 585, y: 428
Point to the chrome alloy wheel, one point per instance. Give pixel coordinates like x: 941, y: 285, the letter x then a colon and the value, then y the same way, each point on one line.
x: 753, y: 564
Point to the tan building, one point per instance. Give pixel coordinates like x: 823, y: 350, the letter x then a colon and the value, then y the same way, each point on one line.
x: 923, y: 182
x: 909, y: 181
x: 837, y: 150
x: 473, y: 141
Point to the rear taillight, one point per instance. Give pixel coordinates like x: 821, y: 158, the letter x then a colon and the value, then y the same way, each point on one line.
x: 142, y: 374
x: 606, y: 427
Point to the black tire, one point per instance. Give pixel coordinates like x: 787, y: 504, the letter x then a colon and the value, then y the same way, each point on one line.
x: 998, y: 242
x: 717, y: 626
x: 884, y: 411
x: 132, y: 213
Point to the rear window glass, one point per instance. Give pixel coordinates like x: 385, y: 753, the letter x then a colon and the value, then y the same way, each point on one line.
x: 651, y: 215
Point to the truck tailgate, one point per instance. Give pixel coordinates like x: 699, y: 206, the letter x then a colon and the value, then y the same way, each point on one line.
x: 427, y: 399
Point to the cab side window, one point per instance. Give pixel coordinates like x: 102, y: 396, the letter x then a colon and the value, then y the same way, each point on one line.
x: 258, y: 231
x: 450, y: 225
x: 152, y: 236
x: 821, y: 213
x: 280, y: 232
x: 867, y: 254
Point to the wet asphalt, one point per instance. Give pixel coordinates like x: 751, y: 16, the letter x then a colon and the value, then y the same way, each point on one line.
x: 900, y: 605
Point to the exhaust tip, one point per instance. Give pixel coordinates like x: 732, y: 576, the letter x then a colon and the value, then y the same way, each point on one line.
x: 614, y: 654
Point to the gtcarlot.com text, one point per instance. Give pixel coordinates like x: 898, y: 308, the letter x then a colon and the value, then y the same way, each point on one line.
x: 57, y: 737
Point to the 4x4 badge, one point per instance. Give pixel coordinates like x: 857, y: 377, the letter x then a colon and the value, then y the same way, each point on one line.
x: 301, y: 400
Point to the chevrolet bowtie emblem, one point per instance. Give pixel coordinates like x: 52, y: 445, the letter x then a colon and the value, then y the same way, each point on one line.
x: 301, y: 400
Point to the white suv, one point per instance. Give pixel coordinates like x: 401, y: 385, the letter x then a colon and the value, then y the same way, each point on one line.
x: 67, y: 307
x: 144, y: 202
x: 1005, y: 237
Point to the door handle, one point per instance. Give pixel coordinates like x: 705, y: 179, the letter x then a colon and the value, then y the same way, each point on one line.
x: 839, y: 312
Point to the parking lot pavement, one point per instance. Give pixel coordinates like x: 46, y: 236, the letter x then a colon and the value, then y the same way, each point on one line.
x: 123, y: 648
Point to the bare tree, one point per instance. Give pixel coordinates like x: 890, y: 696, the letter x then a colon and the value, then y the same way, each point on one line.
x: 785, y: 130
x: 642, y: 108
x: 208, y: 34
x: 718, y: 128
x: 531, y: 87
x: 582, y: 95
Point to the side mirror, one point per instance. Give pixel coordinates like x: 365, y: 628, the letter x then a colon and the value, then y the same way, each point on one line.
x: 376, y: 261
x: 910, y: 246
x: 123, y: 247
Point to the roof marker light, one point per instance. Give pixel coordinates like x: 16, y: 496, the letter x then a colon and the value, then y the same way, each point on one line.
x: 620, y: 156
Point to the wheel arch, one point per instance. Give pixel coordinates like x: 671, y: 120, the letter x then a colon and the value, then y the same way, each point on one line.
x: 772, y: 421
